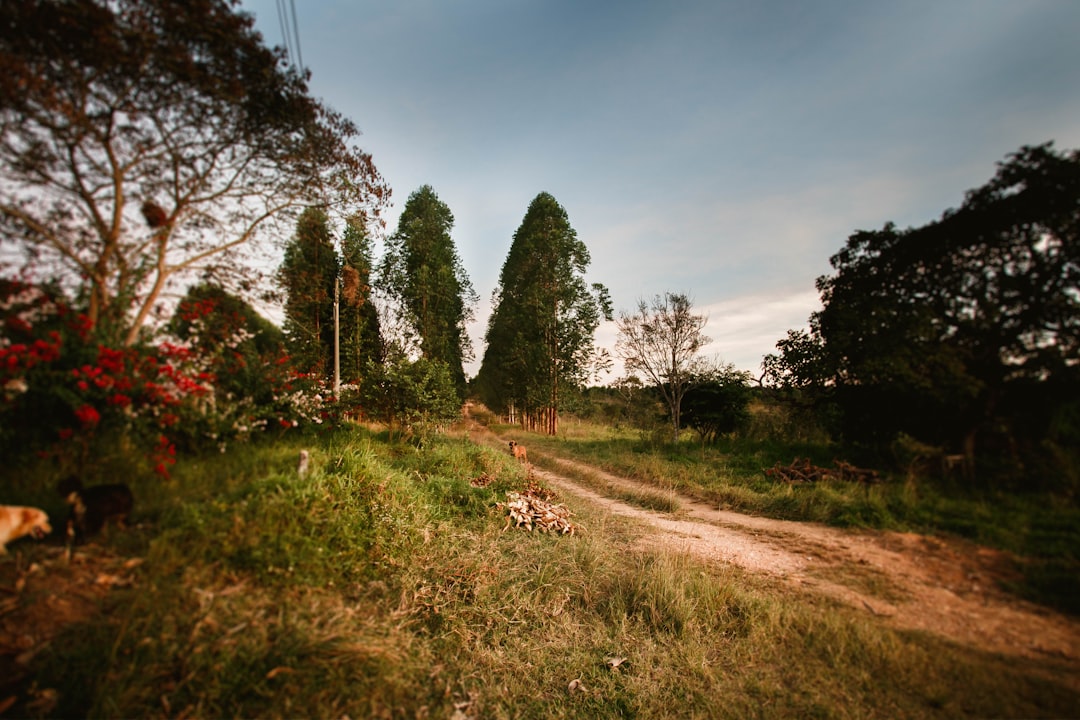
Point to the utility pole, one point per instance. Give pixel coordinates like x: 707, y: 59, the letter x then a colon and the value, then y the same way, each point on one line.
x: 337, y: 340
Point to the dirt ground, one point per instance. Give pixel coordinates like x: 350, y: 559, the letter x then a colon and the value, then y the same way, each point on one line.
x: 949, y: 587
x: 42, y: 592
x: 946, y: 587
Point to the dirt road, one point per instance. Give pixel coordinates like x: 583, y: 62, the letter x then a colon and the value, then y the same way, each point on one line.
x: 947, y: 587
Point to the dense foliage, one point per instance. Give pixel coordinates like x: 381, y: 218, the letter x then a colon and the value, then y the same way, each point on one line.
x: 717, y: 402
x: 411, y: 395
x: 309, y: 276
x: 360, y: 336
x: 70, y: 396
x: 963, y: 333
x: 425, y: 281
x: 540, y: 335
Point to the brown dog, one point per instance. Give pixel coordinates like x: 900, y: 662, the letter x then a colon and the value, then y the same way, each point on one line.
x: 519, y: 452
x: 16, y: 521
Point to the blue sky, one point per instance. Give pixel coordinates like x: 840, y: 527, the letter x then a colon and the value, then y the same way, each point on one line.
x: 719, y: 149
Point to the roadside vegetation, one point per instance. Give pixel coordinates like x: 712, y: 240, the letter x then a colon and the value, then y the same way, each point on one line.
x: 382, y: 584
x: 1042, y: 529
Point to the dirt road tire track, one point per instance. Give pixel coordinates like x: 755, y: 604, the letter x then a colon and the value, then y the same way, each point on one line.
x: 947, y: 587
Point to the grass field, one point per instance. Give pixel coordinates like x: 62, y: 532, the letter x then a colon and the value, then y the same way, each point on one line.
x: 383, y: 585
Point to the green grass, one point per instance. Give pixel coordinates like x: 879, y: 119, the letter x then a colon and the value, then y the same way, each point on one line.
x: 382, y: 585
x: 1042, y: 529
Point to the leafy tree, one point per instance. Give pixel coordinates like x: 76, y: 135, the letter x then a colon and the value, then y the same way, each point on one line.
x: 717, y: 402
x: 800, y: 365
x: 423, y: 276
x: 540, y: 335
x: 661, y: 341
x: 411, y: 394
x: 361, y: 343
x: 308, y: 274
x: 144, y: 141
x: 959, y: 329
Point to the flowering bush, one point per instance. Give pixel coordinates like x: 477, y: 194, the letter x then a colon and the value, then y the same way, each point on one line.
x: 63, y: 393
x: 256, y: 388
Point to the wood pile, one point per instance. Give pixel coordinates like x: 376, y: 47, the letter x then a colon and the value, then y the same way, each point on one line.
x: 801, y: 470
x: 533, y: 509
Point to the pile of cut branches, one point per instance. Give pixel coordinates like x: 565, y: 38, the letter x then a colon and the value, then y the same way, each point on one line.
x: 801, y: 470
x: 532, y: 509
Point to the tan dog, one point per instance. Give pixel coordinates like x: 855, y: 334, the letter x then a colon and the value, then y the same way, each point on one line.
x: 519, y: 452
x: 16, y: 521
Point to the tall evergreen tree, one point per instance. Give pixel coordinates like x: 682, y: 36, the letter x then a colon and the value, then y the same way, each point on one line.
x: 424, y: 278
x: 360, y: 334
x: 308, y: 274
x: 540, y: 336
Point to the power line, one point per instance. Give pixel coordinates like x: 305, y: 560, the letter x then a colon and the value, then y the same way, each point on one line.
x: 290, y: 32
x: 296, y: 32
x: 285, y: 34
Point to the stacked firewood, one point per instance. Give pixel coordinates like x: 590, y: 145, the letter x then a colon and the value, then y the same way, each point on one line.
x: 801, y: 470
x: 532, y: 509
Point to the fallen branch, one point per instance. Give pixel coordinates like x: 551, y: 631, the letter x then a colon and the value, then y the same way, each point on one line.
x: 801, y: 470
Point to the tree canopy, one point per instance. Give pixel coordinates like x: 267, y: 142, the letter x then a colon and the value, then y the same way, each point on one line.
x: 361, y: 340
x: 425, y: 280
x: 142, y: 141
x: 717, y: 402
x: 964, y: 328
x: 545, y: 315
x: 308, y: 274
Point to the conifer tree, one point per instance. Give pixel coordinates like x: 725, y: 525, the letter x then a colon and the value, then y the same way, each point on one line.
x: 540, y: 336
x: 308, y: 274
x: 424, y: 279
x: 360, y: 334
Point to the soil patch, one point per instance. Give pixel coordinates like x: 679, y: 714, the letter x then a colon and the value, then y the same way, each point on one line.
x: 42, y: 592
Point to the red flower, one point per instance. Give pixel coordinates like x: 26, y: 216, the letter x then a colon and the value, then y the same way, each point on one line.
x: 82, y: 325
x: 88, y: 415
x: 120, y: 400
x: 111, y: 360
